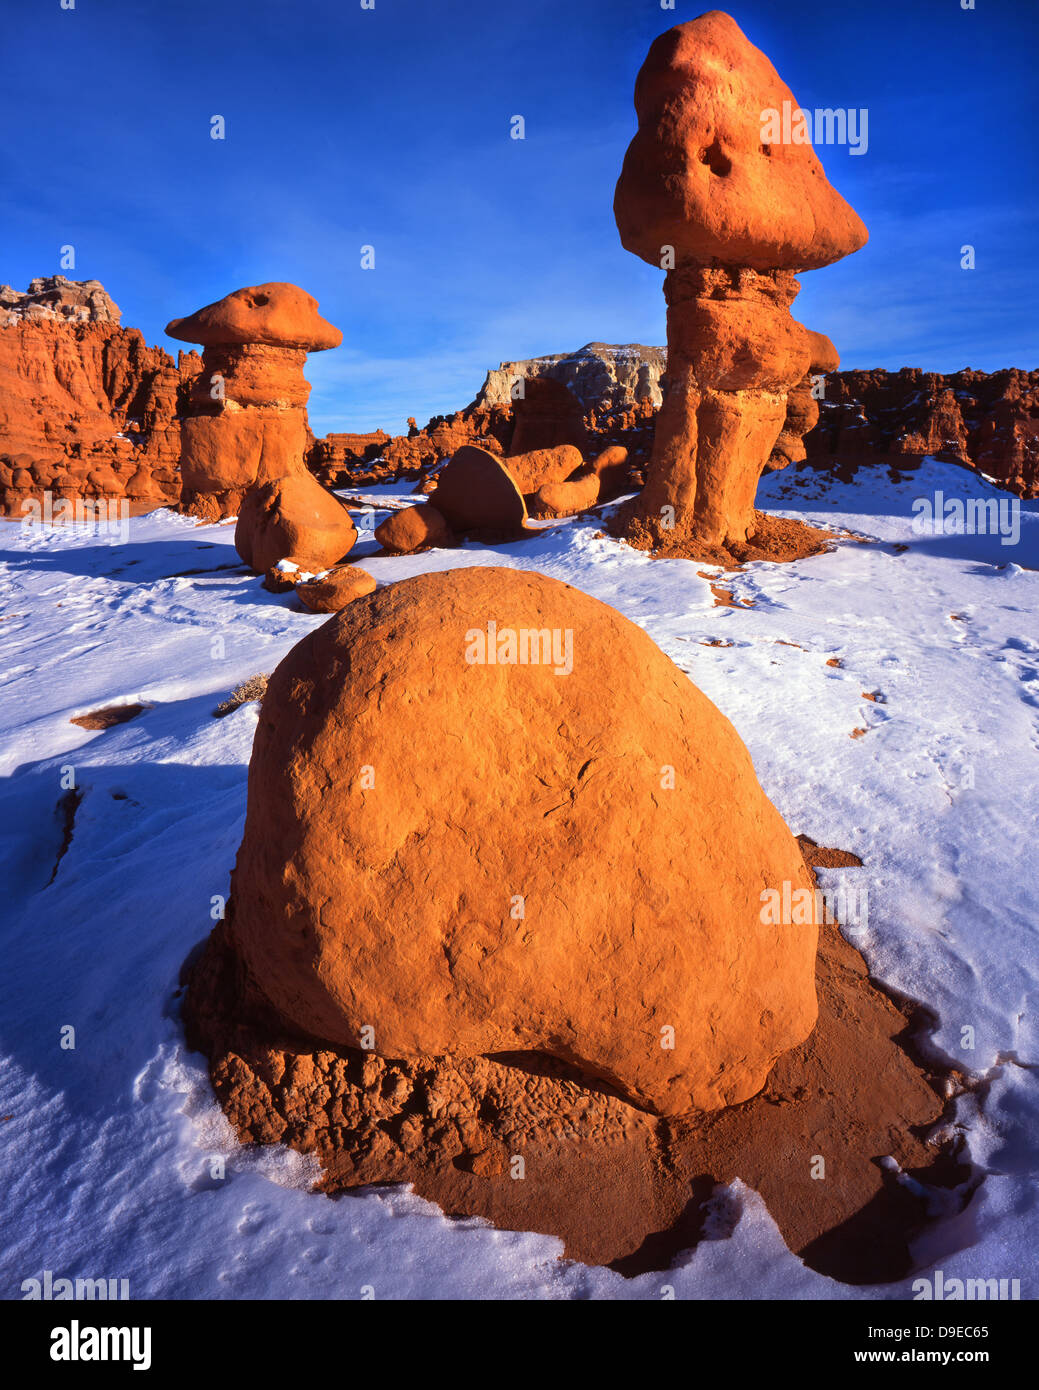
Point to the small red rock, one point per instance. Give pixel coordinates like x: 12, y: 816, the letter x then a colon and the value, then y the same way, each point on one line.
x: 413, y: 528
x: 335, y: 590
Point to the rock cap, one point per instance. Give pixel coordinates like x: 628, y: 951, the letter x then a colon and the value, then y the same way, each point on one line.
x: 698, y: 177
x: 277, y: 314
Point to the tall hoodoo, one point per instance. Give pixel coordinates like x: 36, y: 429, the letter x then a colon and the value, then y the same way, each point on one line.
x: 731, y: 218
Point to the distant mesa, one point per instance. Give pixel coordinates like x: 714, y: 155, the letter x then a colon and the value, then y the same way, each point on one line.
x: 54, y: 299
x: 600, y: 375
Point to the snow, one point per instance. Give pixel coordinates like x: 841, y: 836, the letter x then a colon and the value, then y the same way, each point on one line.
x: 108, y: 1148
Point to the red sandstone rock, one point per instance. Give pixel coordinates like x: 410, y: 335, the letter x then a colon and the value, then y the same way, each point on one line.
x: 293, y: 516
x: 698, y: 177
x: 280, y: 581
x: 986, y: 421
x: 277, y: 314
x: 249, y: 423
x: 730, y: 217
x: 240, y: 449
x: 614, y: 471
x: 564, y: 499
x: 546, y: 415
x: 476, y: 492
x: 519, y: 887
x: 530, y: 471
x: 802, y: 404
x: 611, y: 1181
x: 824, y: 357
x: 87, y: 409
x: 413, y: 528
x: 331, y: 592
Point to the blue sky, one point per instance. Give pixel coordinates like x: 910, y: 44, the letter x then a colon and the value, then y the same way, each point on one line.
x: 390, y: 127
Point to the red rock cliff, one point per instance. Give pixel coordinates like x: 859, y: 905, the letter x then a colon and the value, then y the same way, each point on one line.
x: 86, y: 407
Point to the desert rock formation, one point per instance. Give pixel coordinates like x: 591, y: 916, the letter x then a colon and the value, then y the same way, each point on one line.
x: 659, y: 977
x: 731, y: 219
x: 986, y: 421
x: 87, y: 409
x: 602, y: 376
x: 413, y: 528
x: 248, y: 423
x: 243, y: 446
x: 476, y: 492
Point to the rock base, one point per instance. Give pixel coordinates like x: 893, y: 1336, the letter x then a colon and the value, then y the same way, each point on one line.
x: 530, y: 1144
x: 776, y: 538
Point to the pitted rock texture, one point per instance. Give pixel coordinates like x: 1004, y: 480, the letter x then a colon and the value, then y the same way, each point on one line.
x: 532, y: 881
x: 697, y: 176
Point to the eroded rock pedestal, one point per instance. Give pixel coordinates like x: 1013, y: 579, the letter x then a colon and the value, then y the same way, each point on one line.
x: 243, y: 446
x: 731, y: 218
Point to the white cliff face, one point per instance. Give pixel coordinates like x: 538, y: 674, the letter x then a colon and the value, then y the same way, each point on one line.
x: 59, y: 300
x: 601, y: 375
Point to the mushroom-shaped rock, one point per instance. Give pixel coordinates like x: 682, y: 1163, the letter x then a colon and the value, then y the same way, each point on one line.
x: 643, y: 921
x: 289, y: 517
x: 277, y: 314
x: 540, y: 466
x: 731, y: 209
x: 823, y: 356
x: 476, y: 492
x: 413, y: 528
x: 329, y: 593
x: 248, y: 422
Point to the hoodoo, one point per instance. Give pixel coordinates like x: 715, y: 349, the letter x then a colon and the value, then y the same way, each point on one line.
x: 731, y: 218
x: 243, y: 445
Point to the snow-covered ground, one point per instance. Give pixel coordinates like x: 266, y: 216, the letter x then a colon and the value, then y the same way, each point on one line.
x: 107, y: 1147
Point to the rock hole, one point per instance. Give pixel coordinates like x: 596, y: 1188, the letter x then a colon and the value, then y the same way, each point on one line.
x: 718, y: 162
